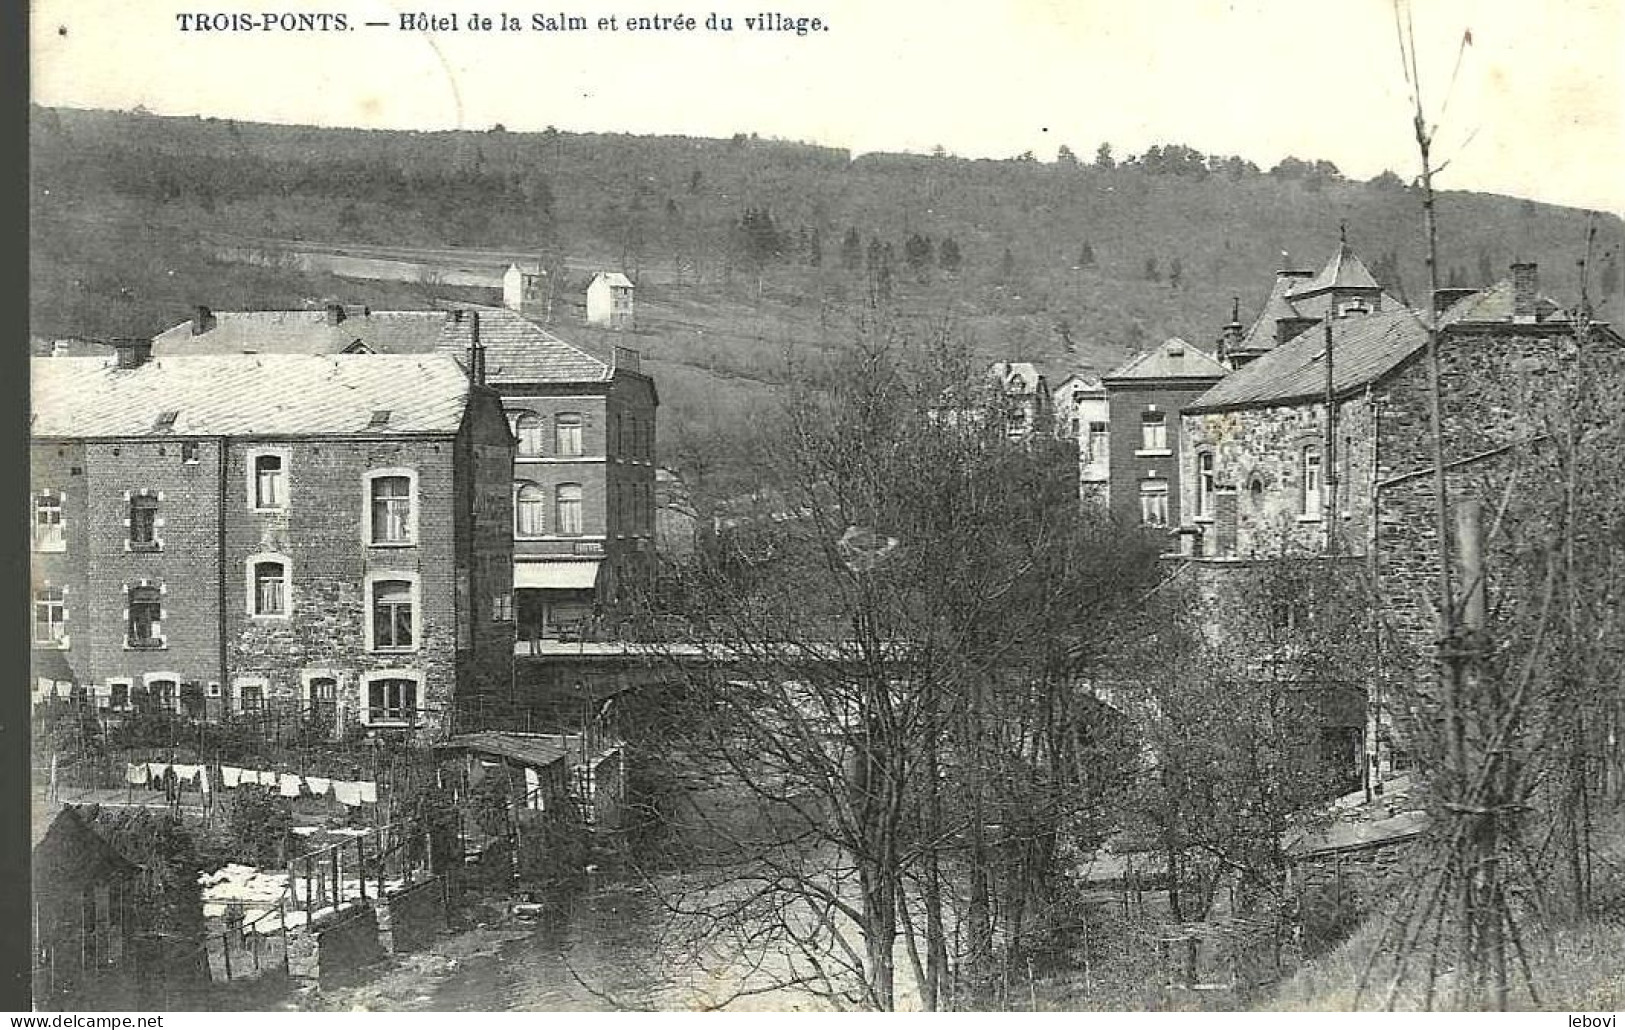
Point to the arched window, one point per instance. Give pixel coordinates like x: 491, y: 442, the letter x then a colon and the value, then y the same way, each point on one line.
x: 569, y: 509
x: 529, y: 507
x: 268, y: 590
x: 528, y: 428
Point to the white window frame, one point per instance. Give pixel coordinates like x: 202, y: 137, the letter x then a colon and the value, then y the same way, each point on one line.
x: 415, y: 584
x: 364, y: 696
x: 190, y: 450
x: 578, y: 439
x: 237, y: 684
x: 61, y: 642
x: 580, y: 500
x: 149, y: 678
x: 59, y: 544
x: 1311, y: 501
x: 367, y: 481
x: 502, y: 607
x: 530, y: 421
x: 1205, y: 484
x: 1154, y: 488
x: 251, y: 460
x: 252, y: 596
x: 1153, y: 433
x: 541, y: 531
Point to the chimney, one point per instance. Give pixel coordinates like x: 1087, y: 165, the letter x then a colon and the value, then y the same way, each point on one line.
x: 1231, y: 335
x: 476, y: 350
x: 1525, y: 291
x: 132, y: 352
x: 202, y: 320
x: 335, y: 314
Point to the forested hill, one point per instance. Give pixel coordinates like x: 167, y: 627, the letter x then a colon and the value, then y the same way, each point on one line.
x: 1071, y: 262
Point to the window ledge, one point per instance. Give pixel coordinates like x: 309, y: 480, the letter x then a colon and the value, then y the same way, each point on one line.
x: 392, y: 543
x: 269, y: 511
x: 392, y: 650
x: 1154, y: 454
x: 152, y: 548
x: 260, y: 617
x: 51, y: 548
x: 1202, y: 518
x: 156, y: 645
x: 51, y: 645
x: 1309, y: 518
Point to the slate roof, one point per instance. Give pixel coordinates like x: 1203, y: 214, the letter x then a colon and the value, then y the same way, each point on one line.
x: 519, y: 351
x: 1364, y: 348
x: 249, y: 395
x: 1261, y: 335
x: 1173, y: 359
x: 305, y: 332
x: 613, y: 279
x: 1492, y: 304
x: 1345, y: 271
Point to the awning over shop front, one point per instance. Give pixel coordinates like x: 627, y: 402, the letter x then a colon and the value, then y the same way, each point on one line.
x: 555, y: 575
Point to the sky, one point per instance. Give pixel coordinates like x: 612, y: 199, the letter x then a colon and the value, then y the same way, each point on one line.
x: 1533, y: 106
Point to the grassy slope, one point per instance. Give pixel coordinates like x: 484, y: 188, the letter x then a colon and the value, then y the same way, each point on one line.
x: 1575, y: 967
x: 124, y: 207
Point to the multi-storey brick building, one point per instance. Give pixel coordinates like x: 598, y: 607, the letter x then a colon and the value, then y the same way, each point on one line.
x: 584, y: 465
x: 1083, y: 415
x: 1144, y: 397
x: 324, y: 535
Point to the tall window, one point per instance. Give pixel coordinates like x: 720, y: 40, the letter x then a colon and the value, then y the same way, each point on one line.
x: 529, y: 507
x: 1311, y: 482
x: 1153, y: 431
x: 324, y: 701
x: 48, y: 533
x: 567, y: 434
x: 391, y: 510
x: 392, y: 615
x: 270, y: 482
x: 392, y: 700
x: 146, y: 609
x: 143, y: 523
x: 50, y: 616
x: 270, y: 588
x: 1204, y: 484
x: 1099, y: 439
x: 250, y: 696
x: 1154, y: 503
x: 568, y: 516
x: 528, y: 428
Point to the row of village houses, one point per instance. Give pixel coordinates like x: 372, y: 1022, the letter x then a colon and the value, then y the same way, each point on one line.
x: 1308, y: 433
x: 345, y: 513
x: 357, y: 512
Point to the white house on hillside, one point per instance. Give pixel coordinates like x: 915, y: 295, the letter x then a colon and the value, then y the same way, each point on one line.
x: 609, y: 301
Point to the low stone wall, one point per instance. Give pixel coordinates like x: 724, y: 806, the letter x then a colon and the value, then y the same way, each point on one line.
x: 408, y: 920
x: 1338, y: 889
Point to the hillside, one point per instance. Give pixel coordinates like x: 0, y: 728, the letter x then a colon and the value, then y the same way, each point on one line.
x: 744, y: 249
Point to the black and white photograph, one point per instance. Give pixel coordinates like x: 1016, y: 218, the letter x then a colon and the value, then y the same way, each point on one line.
x: 826, y: 506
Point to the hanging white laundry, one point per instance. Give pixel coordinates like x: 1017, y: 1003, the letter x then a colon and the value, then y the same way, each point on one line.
x: 347, y: 793
x: 187, y: 773
x: 230, y: 776
x: 267, y: 779
x: 319, y: 785
x: 157, y: 770
x: 203, y: 779
x: 289, y: 787
x: 135, y: 773
x: 369, y: 792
